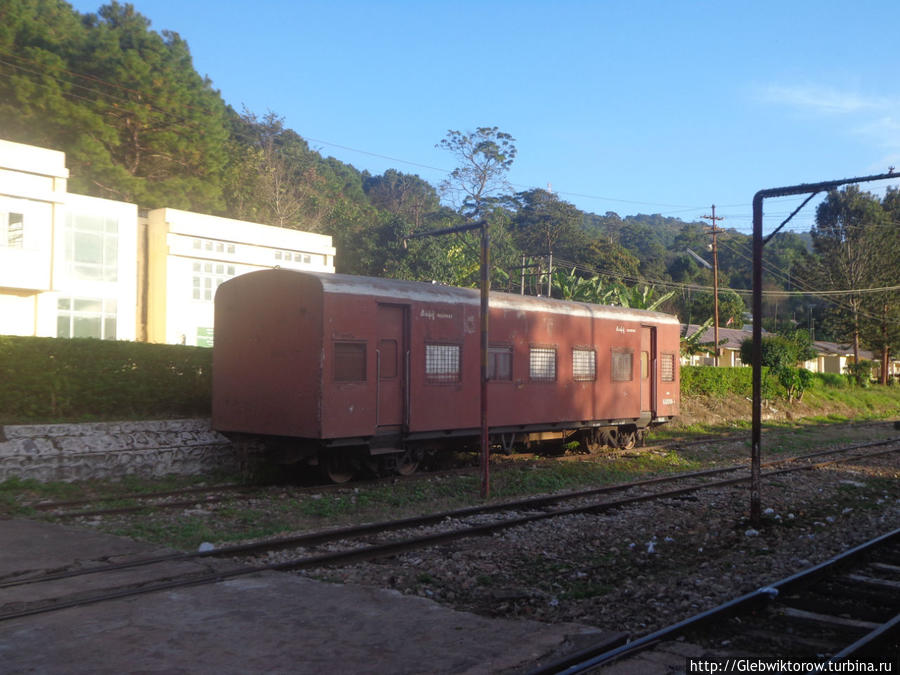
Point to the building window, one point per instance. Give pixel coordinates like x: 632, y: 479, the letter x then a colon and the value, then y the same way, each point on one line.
x: 542, y: 364
x: 622, y: 365
x: 442, y: 363
x: 86, y: 317
x: 208, y: 277
x: 667, y: 367
x: 92, y: 247
x: 349, y: 361
x: 584, y: 365
x: 499, y: 363
x: 12, y: 229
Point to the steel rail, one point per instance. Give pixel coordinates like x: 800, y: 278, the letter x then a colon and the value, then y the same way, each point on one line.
x: 588, y: 658
x: 335, y: 534
x: 367, y: 552
x: 49, y: 506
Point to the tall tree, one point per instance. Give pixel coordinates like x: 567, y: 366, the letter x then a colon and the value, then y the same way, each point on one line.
x: 272, y: 177
x: 544, y: 224
x: 404, y: 195
x: 882, y: 330
x: 484, y: 157
x: 731, y: 308
x: 847, y: 237
x: 135, y: 119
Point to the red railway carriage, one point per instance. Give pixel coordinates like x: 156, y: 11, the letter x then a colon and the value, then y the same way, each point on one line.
x: 348, y: 369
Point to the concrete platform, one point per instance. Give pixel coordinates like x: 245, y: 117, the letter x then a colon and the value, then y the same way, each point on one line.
x: 264, y: 623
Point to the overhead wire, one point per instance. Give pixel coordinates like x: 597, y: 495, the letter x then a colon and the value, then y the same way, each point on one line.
x: 106, y: 93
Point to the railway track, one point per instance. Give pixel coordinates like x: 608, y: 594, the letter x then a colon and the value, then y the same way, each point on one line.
x: 843, y: 610
x: 344, y: 546
x: 186, y: 497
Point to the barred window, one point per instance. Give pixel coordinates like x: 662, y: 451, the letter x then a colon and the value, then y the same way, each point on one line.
x: 622, y: 365
x: 349, y: 361
x: 542, y: 364
x: 667, y: 367
x: 584, y: 365
x: 441, y: 363
x: 499, y: 364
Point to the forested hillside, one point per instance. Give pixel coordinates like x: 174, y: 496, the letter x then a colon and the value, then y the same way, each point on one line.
x: 139, y: 124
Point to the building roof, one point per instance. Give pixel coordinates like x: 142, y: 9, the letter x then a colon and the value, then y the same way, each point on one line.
x: 425, y: 292
x: 733, y: 337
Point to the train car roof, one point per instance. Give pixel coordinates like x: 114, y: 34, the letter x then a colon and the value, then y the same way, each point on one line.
x: 424, y: 292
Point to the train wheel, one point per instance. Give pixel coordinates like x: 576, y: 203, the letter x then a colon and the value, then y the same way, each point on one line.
x: 627, y: 439
x: 592, y: 440
x: 338, y: 466
x: 609, y: 438
x: 408, y: 463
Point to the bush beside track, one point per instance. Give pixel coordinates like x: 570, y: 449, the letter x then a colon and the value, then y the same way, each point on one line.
x: 46, y: 380
x: 78, y: 380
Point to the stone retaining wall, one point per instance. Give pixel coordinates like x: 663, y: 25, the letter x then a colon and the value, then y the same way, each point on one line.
x: 69, y: 452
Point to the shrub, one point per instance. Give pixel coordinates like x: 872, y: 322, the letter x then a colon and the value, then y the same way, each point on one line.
x: 830, y: 380
x: 861, y: 372
x: 710, y: 381
x: 53, y: 379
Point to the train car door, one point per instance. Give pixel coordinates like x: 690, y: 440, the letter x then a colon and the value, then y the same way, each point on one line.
x: 391, y: 365
x: 648, y: 370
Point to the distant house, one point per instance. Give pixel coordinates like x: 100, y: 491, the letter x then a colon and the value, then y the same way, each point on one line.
x: 729, y: 350
x: 834, y: 358
x: 831, y: 357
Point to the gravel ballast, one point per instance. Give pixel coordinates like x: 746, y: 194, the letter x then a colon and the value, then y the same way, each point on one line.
x: 643, y: 567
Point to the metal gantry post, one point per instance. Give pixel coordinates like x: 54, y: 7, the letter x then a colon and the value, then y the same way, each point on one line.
x: 485, y: 295
x: 759, y: 242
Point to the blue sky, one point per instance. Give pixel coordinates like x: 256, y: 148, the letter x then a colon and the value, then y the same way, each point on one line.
x: 629, y: 106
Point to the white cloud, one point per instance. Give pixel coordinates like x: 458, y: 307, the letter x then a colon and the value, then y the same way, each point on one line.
x: 886, y: 128
x: 820, y: 99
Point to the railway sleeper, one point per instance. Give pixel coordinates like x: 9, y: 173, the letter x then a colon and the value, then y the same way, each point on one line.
x: 842, y: 605
x: 839, y: 623
x: 767, y: 643
x: 848, y: 590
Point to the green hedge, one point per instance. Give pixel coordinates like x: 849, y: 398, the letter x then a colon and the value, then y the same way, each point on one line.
x: 709, y: 381
x: 59, y: 380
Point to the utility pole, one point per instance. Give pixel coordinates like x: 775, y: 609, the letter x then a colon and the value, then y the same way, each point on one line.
x: 483, y: 226
x: 715, y: 252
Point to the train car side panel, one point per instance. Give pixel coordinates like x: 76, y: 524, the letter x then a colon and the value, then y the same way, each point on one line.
x: 444, y: 366
x: 267, y: 370
x: 350, y: 366
x: 668, y: 371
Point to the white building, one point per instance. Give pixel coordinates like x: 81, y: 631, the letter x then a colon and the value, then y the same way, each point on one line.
x: 190, y: 254
x: 78, y: 266
x: 67, y: 262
